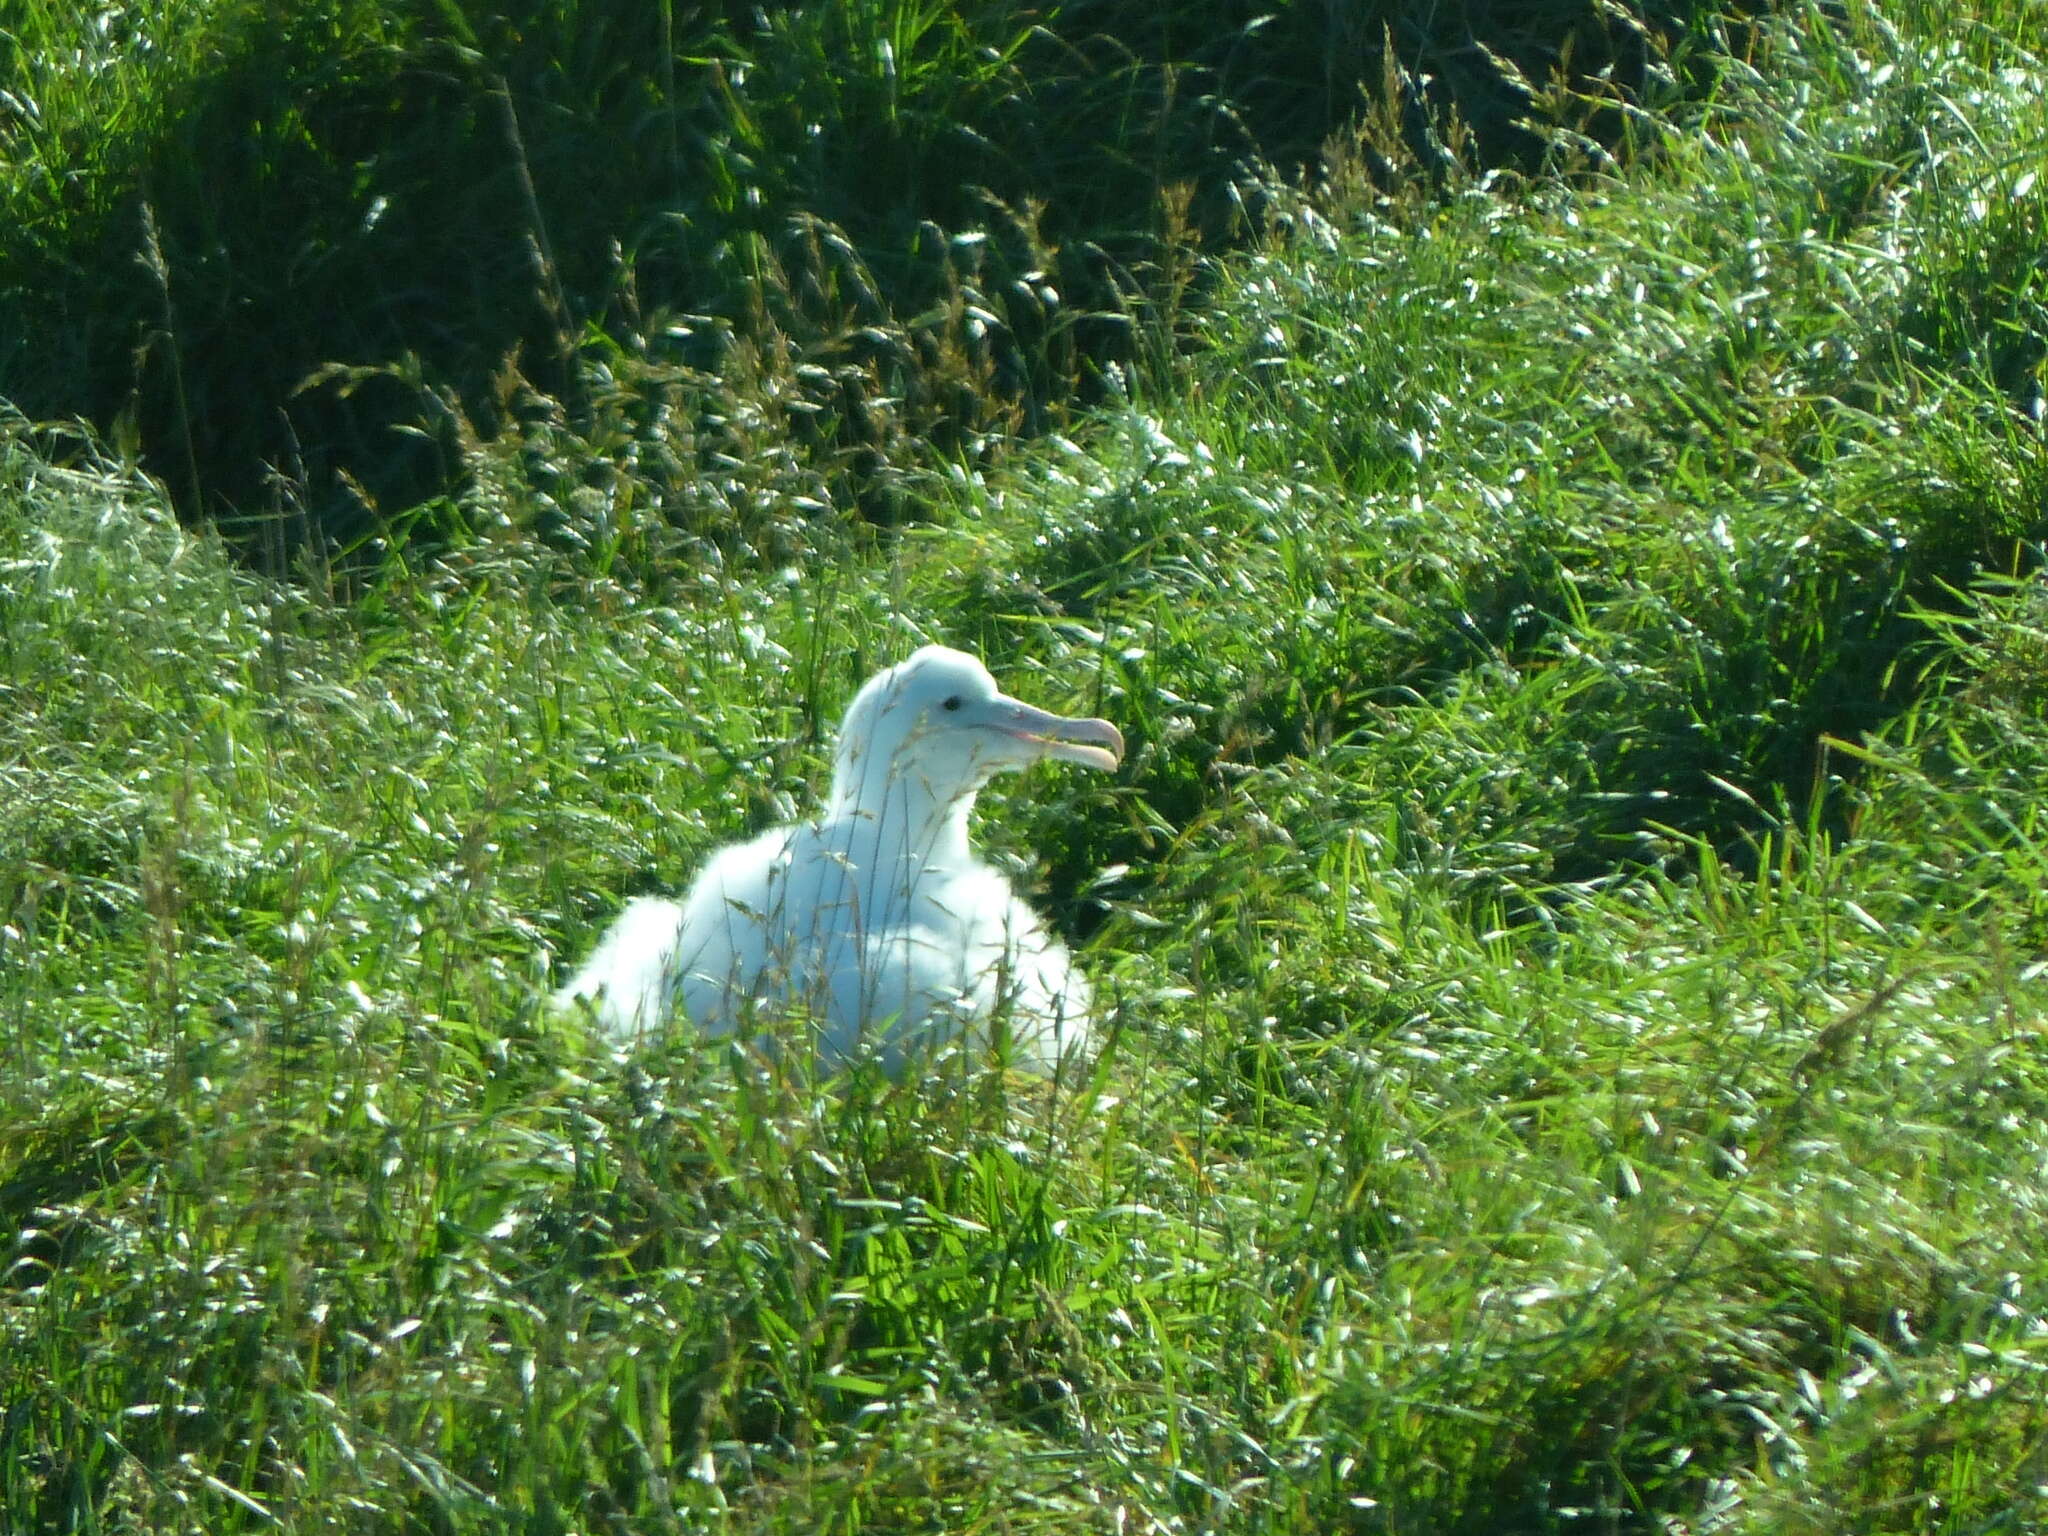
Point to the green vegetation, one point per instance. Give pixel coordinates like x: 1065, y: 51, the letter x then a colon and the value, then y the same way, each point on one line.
x: 1573, y: 924
x: 293, y: 257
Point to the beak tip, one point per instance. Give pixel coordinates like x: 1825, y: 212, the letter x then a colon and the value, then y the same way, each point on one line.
x: 1101, y: 743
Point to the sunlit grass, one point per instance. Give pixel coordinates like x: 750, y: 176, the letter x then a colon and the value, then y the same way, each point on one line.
x: 1571, y: 928
x: 735, y: 272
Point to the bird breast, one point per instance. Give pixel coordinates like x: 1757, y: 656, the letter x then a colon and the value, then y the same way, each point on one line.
x: 874, y: 943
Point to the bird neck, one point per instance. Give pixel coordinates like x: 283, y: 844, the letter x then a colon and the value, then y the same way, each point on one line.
x: 902, y: 820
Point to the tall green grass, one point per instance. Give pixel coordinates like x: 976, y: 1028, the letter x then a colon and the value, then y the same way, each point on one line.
x: 1571, y: 928
x: 293, y: 260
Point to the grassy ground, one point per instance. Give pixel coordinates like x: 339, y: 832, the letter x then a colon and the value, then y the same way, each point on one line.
x: 1572, y: 924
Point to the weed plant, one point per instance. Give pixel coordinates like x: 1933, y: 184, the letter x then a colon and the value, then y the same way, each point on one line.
x: 1571, y: 929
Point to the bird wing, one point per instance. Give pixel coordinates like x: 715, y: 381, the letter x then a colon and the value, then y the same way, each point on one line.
x: 627, y: 979
x: 730, y: 918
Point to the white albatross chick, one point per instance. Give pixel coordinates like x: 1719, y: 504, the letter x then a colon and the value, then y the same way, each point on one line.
x: 877, y: 918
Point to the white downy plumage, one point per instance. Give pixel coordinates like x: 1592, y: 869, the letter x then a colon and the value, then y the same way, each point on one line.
x: 877, y: 919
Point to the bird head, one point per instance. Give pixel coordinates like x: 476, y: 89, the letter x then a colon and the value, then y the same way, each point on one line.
x: 936, y: 724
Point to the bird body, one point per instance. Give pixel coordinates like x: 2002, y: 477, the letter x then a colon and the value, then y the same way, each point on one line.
x: 877, y: 919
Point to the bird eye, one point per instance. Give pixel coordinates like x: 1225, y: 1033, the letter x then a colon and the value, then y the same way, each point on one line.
x: 951, y: 704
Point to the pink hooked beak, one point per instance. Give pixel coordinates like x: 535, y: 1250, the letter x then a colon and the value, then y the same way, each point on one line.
x: 1091, y: 743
